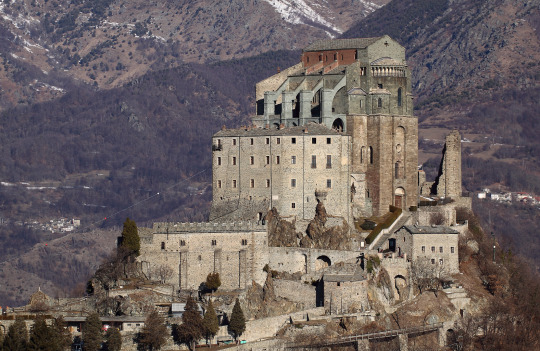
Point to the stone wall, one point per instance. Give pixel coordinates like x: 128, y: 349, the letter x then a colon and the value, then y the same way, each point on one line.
x: 296, y: 291
x: 237, y: 251
x: 346, y: 296
x: 306, y: 261
x: 448, y: 182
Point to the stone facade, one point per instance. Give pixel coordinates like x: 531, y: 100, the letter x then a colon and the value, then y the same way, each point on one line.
x: 237, y: 251
x: 448, y: 182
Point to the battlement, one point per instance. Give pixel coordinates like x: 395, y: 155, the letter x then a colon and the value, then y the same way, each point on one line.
x: 208, y: 227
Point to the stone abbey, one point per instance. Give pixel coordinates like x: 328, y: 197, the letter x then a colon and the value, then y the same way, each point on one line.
x: 335, y: 130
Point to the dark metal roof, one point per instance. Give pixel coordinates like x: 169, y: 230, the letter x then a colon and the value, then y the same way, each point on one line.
x: 435, y: 229
x: 337, y: 44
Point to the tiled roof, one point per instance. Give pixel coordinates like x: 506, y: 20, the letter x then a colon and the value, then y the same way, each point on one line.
x: 337, y: 44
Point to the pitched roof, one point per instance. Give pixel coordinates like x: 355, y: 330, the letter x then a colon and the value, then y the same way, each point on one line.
x: 434, y: 229
x: 337, y: 44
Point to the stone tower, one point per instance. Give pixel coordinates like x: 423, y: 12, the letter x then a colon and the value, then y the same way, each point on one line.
x: 448, y: 182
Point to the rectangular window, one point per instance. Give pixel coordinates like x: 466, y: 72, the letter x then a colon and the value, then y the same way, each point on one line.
x: 234, y: 141
x: 440, y: 249
x: 267, y: 160
x: 432, y: 261
x: 452, y: 249
x: 314, y: 140
x: 293, y: 141
x: 234, y: 161
x: 277, y: 160
x: 329, y: 140
x: 251, y: 141
x: 251, y: 160
x: 293, y: 160
x: 328, y: 161
x: 293, y: 205
x: 219, y: 161
x: 278, y: 141
x: 219, y: 142
x: 219, y: 184
x: 267, y: 141
x: 441, y: 261
x: 433, y: 249
x: 182, y: 243
x: 329, y: 183
x: 252, y: 183
x: 268, y: 183
x: 380, y: 86
x: 234, y: 183
x: 293, y: 183
x: 244, y: 242
x: 423, y: 249
x: 214, y: 242
x: 313, y: 161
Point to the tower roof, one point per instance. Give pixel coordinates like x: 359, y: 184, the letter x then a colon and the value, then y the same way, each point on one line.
x: 338, y: 44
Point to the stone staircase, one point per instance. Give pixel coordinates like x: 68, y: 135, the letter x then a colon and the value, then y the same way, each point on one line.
x: 382, y: 238
x: 458, y: 297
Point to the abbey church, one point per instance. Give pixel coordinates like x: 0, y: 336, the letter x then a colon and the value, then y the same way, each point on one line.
x: 335, y: 130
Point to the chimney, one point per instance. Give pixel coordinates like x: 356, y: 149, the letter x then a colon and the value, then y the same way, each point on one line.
x: 281, y: 126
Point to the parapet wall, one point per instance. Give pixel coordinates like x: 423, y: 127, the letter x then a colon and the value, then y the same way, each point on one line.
x: 208, y: 227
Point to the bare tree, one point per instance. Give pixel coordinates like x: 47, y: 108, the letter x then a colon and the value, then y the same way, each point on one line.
x: 163, y: 272
x: 427, y: 274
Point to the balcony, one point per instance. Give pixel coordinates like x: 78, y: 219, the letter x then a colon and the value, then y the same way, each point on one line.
x: 218, y: 147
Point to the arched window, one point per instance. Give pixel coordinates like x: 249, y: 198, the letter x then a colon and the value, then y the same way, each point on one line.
x: 399, y: 92
x: 370, y: 155
x: 379, y: 102
x: 363, y: 154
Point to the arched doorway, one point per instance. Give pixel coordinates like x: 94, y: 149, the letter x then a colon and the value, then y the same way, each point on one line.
x: 338, y: 125
x: 399, y: 197
x: 322, y: 262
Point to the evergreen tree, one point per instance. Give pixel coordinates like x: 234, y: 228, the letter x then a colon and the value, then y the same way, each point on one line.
x: 130, y: 237
x: 191, y: 330
x: 213, y: 282
x: 41, y: 337
x: 16, y: 338
x: 237, y: 324
x: 61, y: 335
x: 154, y: 333
x: 114, y: 339
x: 91, y: 334
x: 210, y: 322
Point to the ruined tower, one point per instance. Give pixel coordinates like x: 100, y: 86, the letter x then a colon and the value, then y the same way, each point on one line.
x: 448, y: 182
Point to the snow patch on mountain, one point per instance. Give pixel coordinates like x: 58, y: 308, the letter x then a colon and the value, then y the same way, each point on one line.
x: 300, y: 12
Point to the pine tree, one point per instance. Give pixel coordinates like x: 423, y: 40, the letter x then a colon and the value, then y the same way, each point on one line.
x: 61, y: 335
x: 192, y: 328
x: 16, y: 338
x: 154, y: 333
x: 91, y: 334
x: 114, y: 339
x: 210, y: 322
x: 237, y: 324
x: 41, y: 337
x: 130, y: 237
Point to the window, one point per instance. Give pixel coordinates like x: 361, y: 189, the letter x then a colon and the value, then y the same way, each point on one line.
x: 293, y: 141
x: 251, y: 160
x: 329, y: 140
x: 182, y: 243
x: 441, y: 249
x: 329, y: 183
x: 214, y: 242
x: 399, y: 98
x: 423, y: 249
x: 267, y: 141
x: 451, y: 249
x: 432, y: 261
x: 380, y: 86
x: 251, y: 141
x: 252, y: 183
x: 234, y: 141
x: 293, y: 160
x: 219, y: 142
x: 244, y: 242
x: 268, y: 183
x: 293, y: 183
x: 314, y: 140
x: 234, y: 183
x: 163, y: 245
x: 219, y: 184
x: 219, y: 161
x: 277, y: 160
x: 313, y: 161
x: 234, y: 161
x: 370, y: 155
x: 379, y: 102
x: 328, y: 161
x: 278, y: 141
x: 267, y: 160
x: 433, y: 249
x: 441, y: 261
x: 293, y: 205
